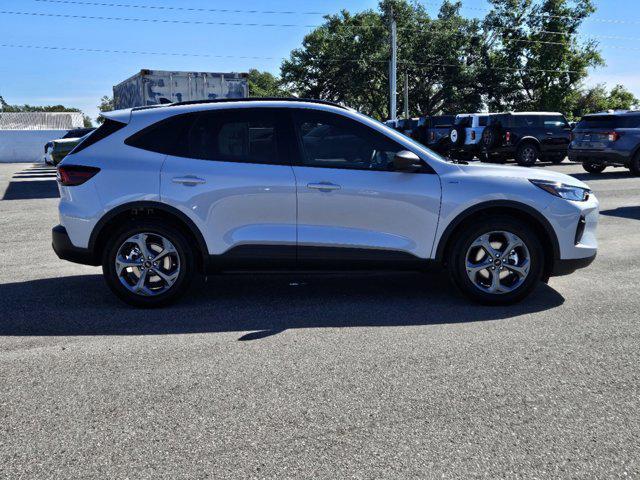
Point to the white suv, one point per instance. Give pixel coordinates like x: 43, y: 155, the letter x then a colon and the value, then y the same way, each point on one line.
x: 159, y: 194
x: 465, y: 135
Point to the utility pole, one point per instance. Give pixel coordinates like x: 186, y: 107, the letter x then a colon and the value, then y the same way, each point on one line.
x: 406, y: 95
x: 393, y: 65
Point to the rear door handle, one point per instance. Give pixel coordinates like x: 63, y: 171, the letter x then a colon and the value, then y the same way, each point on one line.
x: 189, y: 180
x: 323, y: 186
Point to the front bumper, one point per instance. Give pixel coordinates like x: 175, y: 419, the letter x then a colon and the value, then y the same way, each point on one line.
x: 67, y: 251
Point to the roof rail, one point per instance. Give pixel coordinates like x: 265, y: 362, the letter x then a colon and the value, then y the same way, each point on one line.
x: 257, y: 99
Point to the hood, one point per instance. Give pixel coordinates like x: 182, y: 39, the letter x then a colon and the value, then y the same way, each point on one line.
x: 506, y: 171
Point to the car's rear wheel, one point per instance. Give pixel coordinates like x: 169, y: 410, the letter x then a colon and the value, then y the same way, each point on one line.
x: 148, y: 264
x: 496, y: 262
x: 594, y: 167
x: 527, y: 155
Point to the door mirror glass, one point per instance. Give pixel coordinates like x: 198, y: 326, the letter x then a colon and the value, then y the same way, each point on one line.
x: 406, y: 161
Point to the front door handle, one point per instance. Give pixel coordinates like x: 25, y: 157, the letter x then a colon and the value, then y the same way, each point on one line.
x: 323, y: 186
x: 189, y: 180
x: 549, y: 133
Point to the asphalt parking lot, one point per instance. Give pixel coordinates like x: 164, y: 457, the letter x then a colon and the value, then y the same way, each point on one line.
x: 356, y: 376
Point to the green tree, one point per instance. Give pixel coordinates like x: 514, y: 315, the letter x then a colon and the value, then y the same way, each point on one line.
x: 265, y: 84
x: 106, y: 105
x: 346, y: 59
x: 598, y: 99
x: 46, y: 108
x: 533, y: 58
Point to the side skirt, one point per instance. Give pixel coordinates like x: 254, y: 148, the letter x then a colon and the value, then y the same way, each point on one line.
x: 254, y: 258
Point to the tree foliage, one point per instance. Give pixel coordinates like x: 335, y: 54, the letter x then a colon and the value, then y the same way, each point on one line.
x: 106, y: 105
x: 46, y: 108
x: 265, y: 84
x: 598, y: 99
x: 523, y: 55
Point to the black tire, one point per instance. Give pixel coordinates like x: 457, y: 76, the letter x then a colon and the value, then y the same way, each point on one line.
x: 457, y: 261
x: 594, y: 167
x: 184, y: 252
x: 527, y: 154
x: 634, y: 165
x: 557, y: 160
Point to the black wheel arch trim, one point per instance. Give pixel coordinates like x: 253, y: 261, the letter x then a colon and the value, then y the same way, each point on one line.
x: 466, y: 214
x: 148, y: 205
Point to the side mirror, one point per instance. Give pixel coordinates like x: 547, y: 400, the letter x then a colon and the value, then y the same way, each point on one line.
x: 406, y: 161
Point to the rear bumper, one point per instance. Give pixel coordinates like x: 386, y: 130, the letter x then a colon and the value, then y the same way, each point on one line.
x: 65, y: 250
x: 567, y: 267
x: 599, y: 157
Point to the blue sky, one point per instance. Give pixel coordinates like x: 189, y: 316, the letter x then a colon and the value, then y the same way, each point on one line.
x: 79, y: 79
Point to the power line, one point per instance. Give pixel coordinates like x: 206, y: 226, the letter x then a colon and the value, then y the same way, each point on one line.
x: 181, y: 9
x: 152, y: 20
x: 206, y: 55
x: 294, y: 12
x: 243, y: 24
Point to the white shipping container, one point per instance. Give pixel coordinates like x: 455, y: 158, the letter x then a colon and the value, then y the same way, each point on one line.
x: 153, y: 87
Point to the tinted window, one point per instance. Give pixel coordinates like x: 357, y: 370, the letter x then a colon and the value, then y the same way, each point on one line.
x: 243, y: 135
x: 527, y: 121
x: 165, y: 136
x: 463, y: 121
x: 109, y: 127
x: 554, y: 121
x: 331, y: 141
x: 442, y: 121
x: 609, y: 122
x: 482, y: 120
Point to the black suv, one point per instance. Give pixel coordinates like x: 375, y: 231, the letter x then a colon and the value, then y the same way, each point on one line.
x: 607, y: 139
x: 525, y: 136
x: 437, y: 129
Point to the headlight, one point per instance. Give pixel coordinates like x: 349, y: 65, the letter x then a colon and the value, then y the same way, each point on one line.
x: 561, y: 190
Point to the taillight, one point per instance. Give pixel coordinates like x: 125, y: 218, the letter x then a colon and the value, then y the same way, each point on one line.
x: 507, y: 137
x: 74, y: 175
x: 572, y: 137
x: 613, y: 136
x: 473, y: 135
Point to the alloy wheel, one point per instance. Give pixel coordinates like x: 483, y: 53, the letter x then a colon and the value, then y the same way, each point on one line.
x: 147, y: 264
x: 498, y: 262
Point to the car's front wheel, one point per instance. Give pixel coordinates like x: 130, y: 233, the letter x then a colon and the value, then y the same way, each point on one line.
x: 496, y: 262
x: 147, y: 264
x: 594, y: 167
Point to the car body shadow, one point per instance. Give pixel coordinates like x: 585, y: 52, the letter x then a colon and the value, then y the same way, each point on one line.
x: 261, y: 304
x: 632, y: 213
x: 602, y: 176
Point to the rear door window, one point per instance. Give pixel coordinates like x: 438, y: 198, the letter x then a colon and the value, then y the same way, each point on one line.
x: 238, y: 135
x: 555, y: 122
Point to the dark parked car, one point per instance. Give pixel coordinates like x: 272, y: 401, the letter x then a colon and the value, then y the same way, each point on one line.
x: 525, y: 137
x: 56, y: 150
x: 437, y: 132
x: 607, y: 139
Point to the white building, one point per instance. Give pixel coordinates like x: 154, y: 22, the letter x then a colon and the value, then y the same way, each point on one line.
x: 23, y: 135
